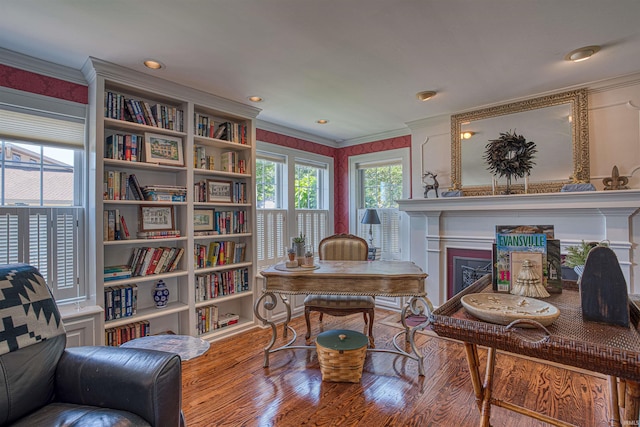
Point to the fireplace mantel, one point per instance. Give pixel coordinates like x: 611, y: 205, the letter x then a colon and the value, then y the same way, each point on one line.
x: 469, y: 222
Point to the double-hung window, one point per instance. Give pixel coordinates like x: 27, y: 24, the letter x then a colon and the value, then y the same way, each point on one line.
x: 378, y: 180
x: 42, y: 184
x: 292, y: 198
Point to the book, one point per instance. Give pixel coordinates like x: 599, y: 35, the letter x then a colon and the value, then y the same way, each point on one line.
x: 508, y: 243
x: 554, y: 267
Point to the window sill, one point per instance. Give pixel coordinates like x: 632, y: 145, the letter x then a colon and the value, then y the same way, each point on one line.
x: 78, y: 309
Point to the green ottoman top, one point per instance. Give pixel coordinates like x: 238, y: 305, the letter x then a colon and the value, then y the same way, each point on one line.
x: 352, y: 340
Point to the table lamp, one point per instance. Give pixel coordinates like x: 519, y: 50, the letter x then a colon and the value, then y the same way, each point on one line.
x: 370, y: 217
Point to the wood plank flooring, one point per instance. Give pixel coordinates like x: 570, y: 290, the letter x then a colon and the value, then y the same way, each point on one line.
x: 229, y: 387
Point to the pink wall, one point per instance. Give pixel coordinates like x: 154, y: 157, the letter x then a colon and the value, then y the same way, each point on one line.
x: 341, y: 163
x: 27, y: 81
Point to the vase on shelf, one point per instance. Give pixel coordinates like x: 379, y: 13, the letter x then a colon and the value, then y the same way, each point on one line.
x: 161, y: 294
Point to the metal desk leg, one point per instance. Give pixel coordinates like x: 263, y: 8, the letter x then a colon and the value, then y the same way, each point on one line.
x: 269, y: 301
x: 417, y: 306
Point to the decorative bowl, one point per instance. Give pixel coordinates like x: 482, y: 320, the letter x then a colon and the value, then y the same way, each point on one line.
x: 505, y: 308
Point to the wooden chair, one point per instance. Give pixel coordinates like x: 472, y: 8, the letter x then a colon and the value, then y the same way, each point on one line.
x: 341, y: 247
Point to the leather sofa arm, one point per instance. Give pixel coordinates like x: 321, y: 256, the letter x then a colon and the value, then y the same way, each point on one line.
x: 145, y: 382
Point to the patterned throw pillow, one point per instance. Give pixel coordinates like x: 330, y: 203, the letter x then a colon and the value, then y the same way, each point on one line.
x: 28, y: 312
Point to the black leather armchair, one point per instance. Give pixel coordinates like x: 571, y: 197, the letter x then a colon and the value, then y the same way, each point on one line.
x: 44, y: 384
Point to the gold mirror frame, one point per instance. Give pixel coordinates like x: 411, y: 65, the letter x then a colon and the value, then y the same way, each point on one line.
x: 577, y: 99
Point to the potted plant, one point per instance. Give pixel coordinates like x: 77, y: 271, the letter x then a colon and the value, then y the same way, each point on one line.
x: 292, y: 254
x: 298, y: 245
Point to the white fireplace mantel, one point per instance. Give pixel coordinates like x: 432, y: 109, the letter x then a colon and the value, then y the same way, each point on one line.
x: 469, y: 222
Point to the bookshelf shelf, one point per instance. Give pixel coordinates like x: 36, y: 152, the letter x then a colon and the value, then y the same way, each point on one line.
x: 182, y: 115
x: 224, y: 298
x: 242, y: 325
x: 148, y: 314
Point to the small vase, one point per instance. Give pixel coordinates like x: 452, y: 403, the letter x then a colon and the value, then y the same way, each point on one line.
x: 161, y: 294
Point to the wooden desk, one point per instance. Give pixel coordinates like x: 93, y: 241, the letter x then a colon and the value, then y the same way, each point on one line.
x: 388, y: 278
x: 607, y: 349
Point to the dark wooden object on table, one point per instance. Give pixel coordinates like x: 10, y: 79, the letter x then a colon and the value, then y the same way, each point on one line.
x: 604, y: 289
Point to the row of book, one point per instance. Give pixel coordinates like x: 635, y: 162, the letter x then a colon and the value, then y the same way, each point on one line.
x: 232, y: 132
x: 119, y: 185
x: 145, y: 261
x: 219, y: 253
x: 123, y: 147
x: 119, y: 107
x: 209, y: 319
x: 120, y: 335
x: 535, y: 243
x: 227, y: 222
x: 238, y: 192
x: 230, y: 161
x: 120, y: 301
x: 221, y: 283
x: 201, y: 160
x: 114, y: 226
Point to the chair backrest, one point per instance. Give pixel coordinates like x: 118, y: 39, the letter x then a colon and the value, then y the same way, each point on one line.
x: 343, y: 247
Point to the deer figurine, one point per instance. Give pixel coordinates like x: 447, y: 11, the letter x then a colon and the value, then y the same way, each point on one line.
x: 430, y: 186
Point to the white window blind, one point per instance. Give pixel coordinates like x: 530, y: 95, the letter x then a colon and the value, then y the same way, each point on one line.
x: 272, y: 239
x: 31, y: 126
x: 313, y: 224
x: 46, y: 238
x: 385, y: 235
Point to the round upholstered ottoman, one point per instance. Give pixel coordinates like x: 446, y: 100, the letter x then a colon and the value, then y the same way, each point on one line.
x: 341, y: 355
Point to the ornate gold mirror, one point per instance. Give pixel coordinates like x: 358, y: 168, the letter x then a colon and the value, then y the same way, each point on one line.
x: 559, y: 126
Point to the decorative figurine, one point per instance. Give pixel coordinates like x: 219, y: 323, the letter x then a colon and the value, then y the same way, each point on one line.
x: 430, y: 186
x: 528, y: 283
x: 615, y: 181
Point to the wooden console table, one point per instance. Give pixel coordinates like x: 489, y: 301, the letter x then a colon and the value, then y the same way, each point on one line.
x: 607, y: 349
x: 389, y: 278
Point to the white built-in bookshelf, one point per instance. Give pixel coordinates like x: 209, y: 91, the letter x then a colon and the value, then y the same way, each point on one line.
x: 173, y: 194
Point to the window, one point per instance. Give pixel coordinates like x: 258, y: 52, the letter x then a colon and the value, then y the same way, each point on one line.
x: 291, y: 199
x: 41, y: 186
x: 377, y: 182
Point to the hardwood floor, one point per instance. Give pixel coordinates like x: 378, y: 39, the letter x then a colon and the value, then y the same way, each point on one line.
x: 229, y: 387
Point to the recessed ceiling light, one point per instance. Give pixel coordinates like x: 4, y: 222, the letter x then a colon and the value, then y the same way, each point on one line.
x: 582, y: 53
x: 426, y: 95
x: 255, y: 99
x: 322, y: 121
x: 153, y: 64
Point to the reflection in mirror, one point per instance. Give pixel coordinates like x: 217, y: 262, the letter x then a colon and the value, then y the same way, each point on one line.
x: 556, y: 123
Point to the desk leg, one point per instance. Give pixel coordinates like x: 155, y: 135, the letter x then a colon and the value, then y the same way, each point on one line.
x: 269, y: 302
x: 417, y: 306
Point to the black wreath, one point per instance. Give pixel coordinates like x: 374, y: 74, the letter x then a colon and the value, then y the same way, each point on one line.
x: 511, y: 155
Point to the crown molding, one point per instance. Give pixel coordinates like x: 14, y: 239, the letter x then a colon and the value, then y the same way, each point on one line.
x: 294, y: 133
x: 94, y: 67
x: 376, y: 137
x: 40, y: 66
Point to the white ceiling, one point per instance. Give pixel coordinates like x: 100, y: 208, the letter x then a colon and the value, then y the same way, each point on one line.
x: 356, y: 63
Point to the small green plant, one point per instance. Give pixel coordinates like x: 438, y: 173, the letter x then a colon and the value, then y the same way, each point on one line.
x: 299, y: 239
x: 577, y: 255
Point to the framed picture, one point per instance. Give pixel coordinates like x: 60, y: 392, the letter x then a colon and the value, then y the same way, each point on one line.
x: 203, y: 220
x: 156, y: 218
x: 219, y: 191
x: 163, y: 149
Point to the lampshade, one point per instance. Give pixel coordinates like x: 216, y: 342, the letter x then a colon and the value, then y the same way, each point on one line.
x: 370, y: 217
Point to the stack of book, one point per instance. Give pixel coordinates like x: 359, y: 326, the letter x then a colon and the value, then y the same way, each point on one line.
x: 228, y: 319
x: 165, y: 193
x: 116, y: 272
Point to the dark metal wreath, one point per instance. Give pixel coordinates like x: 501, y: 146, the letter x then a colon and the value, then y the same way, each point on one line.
x: 511, y: 155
